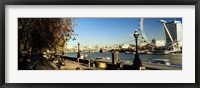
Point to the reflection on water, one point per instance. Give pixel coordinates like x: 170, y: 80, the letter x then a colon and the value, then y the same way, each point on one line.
x: 174, y: 59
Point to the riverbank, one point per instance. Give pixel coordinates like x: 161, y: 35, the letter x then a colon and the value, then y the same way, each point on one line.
x: 71, y: 64
x: 128, y: 65
x: 174, y: 59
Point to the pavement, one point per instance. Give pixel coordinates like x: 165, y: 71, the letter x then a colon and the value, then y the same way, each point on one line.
x: 72, y: 65
x: 45, y: 64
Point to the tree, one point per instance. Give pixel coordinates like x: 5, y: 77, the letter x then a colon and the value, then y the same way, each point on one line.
x: 44, y: 33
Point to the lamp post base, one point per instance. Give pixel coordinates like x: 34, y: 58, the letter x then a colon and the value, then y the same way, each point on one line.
x: 137, y: 62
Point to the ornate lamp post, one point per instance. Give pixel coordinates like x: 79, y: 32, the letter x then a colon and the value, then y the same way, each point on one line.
x: 136, y: 62
x: 78, y: 53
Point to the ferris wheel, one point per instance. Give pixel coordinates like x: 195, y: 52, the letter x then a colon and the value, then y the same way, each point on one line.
x: 144, y: 40
x: 142, y: 33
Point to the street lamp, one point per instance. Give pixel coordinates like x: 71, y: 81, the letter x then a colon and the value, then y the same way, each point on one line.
x: 78, y: 53
x: 136, y: 62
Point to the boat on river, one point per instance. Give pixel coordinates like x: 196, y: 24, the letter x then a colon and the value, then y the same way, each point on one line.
x: 127, y: 52
x: 159, y: 52
x: 104, y: 58
x: 161, y: 61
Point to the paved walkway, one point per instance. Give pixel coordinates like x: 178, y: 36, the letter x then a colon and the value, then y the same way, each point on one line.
x: 45, y: 64
x: 70, y: 65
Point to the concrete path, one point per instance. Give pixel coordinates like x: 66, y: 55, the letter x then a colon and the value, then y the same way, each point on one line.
x: 70, y: 65
x: 45, y: 64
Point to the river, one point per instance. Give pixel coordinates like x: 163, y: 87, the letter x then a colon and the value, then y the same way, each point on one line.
x: 174, y: 59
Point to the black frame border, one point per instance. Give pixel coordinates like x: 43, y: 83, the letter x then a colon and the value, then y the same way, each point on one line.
x: 3, y: 3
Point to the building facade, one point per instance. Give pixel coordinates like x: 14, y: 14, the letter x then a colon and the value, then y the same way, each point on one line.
x: 175, y: 30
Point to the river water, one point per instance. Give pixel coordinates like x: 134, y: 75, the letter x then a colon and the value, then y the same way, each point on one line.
x: 174, y: 59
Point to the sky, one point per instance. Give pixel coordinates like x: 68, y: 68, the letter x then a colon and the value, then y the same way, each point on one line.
x: 110, y: 31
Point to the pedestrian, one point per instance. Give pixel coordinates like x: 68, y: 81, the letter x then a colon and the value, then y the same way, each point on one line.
x: 63, y: 53
x: 44, y: 55
x: 120, y: 64
x: 77, y: 60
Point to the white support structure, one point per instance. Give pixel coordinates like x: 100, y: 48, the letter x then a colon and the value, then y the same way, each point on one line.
x: 163, y: 22
x: 174, y: 43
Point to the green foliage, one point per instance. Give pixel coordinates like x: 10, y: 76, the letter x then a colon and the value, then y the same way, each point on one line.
x: 44, y: 33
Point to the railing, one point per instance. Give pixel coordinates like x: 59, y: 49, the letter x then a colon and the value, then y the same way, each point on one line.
x: 34, y: 62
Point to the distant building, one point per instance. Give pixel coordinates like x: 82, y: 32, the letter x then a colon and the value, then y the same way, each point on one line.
x: 143, y: 42
x: 125, y: 46
x: 160, y: 43
x: 175, y: 30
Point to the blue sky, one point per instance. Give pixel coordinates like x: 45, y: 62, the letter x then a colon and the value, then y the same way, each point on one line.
x: 110, y: 31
